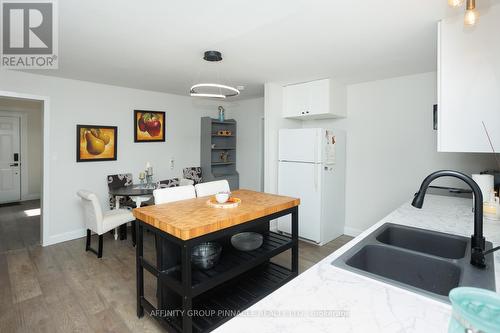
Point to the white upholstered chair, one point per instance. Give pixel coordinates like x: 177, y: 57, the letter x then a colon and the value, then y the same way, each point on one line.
x: 211, y: 188
x: 101, y: 222
x: 171, y: 194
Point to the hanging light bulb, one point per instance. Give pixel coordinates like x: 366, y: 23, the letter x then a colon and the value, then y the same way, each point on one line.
x: 471, y: 14
x: 455, y: 3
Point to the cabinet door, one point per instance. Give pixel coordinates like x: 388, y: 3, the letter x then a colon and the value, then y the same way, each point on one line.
x: 469, y: 84
x: 296, y: 100
x: 319, y: 97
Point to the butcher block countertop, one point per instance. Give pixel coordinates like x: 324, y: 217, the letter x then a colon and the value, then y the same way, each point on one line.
x: 187, y: 219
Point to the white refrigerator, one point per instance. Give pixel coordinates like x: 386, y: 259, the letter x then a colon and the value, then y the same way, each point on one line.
x: 312, y: 168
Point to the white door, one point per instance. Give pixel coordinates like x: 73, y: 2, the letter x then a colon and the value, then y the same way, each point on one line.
x: 301, y: 145
x: 10, y: 167
x: 303, y: 181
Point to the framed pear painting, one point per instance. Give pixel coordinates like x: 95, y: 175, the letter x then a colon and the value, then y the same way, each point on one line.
x: 149, y: 126
x: 96, y: 143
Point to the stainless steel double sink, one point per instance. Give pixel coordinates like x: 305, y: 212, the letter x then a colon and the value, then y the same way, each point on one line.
x: 423, y: 261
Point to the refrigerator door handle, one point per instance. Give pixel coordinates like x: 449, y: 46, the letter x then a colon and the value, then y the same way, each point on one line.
x: 318, y: 145
x: 316, y: 177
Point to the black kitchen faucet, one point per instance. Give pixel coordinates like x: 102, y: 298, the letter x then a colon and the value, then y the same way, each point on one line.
x: 477, y: 239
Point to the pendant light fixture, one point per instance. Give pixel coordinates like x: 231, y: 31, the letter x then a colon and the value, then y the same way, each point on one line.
x: 455, y: 3
x: 213, y: 90
x: 471, y: 14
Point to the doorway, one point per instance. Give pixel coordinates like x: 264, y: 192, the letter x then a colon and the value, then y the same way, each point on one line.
x: 10, y: 170
x: 21, y: 171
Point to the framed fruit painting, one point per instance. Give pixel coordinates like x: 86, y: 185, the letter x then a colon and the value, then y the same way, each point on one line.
x: 96, y: 143
x: 149, y: 126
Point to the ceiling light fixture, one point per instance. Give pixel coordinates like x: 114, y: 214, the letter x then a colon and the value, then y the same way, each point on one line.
x: 455, y: 3
x: 213, y: 90
x: 230, y: 90
x: 471, y: 14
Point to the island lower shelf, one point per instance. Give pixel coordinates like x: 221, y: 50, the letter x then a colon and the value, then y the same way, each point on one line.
x: 220, y: 304
x: 231, y: 264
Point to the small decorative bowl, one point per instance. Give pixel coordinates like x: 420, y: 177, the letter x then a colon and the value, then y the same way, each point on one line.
x: 222, y: 197
x: 206, y: 255
x: 247, y: 241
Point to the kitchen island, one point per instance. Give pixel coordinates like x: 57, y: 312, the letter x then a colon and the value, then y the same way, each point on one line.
x: 326, y: 298
x: 189, y: 299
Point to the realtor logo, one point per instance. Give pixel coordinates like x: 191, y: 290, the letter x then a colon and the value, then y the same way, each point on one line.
x: 29, y: 39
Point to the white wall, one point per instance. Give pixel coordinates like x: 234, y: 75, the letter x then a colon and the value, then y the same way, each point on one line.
x: 248, y: 114
x: 76, y: 102
x: 31, y: 178
x: 391, y: 146
x: 273, y: 121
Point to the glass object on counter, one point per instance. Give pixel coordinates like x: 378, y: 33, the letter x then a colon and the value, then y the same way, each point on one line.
x: 474, y: 310
x: 491, y: 208
x: 149, y: 176
x: 142, y: 176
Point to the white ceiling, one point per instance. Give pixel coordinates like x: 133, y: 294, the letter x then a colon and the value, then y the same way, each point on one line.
x: 158, y: 44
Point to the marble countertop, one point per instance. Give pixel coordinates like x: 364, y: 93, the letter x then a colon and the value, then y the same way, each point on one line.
x: 326, y: 298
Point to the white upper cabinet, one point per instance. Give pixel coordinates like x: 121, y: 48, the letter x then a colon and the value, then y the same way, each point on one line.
x: 469, y: 84
x: 314, y: 100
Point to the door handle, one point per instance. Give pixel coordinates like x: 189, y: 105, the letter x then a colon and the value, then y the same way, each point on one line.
x: 14, y: 164
x: 315, y: 178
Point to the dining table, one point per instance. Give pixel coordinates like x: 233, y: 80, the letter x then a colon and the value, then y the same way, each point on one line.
x: 132, y: 191
x: 138, y: 193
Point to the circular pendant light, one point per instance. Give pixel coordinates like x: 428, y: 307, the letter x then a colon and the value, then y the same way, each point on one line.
x: 213, y: 90
x: 219, y: 90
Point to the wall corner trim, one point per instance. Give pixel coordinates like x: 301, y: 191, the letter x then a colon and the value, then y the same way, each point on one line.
x: 353, y: 232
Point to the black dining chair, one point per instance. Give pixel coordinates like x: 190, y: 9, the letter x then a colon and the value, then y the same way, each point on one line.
x: 193, y: 173
x: 117, y: 181
x: 173, y: 182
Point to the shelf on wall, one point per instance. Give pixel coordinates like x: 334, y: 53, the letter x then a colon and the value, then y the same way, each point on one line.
x: 223, y: 122
x: 223, y: 163
x: 222, y: 175
x: 210, y: 159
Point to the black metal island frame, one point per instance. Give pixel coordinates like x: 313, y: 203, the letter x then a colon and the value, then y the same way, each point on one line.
x: 194, y: 300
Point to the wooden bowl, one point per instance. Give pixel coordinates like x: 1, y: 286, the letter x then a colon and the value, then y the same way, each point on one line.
x: 230, y: 203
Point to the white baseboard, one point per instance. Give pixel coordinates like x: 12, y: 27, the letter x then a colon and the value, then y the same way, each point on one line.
x: 31, y: 196
x: 66, y: 236
x: 353, y: 232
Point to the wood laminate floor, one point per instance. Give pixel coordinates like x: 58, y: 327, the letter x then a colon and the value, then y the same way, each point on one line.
x: 62, y: 288
x: 19, y: 225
